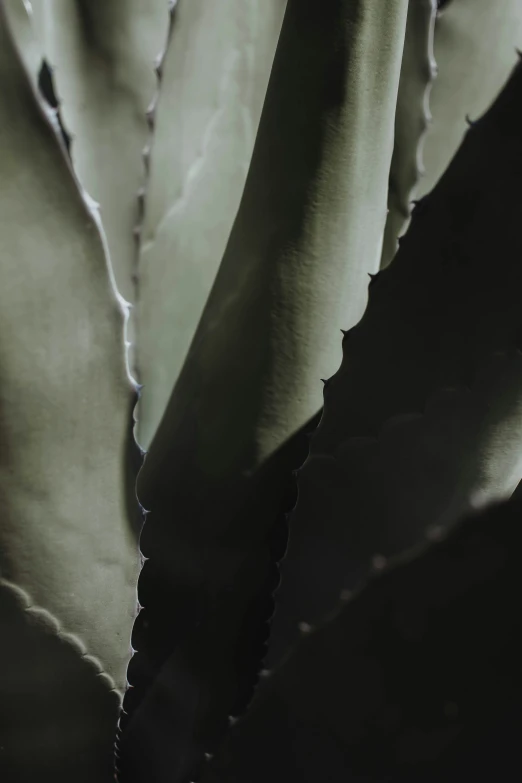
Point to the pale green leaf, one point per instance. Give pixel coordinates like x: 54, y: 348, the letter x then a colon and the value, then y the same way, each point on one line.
x: 68, y: 551
x: 214, y: 78
x: 423, y: 420
x: 418, y: 70
x: 102, y: 53
x: 470, y: 72
x: 475, y: 42
x: 308, y: 231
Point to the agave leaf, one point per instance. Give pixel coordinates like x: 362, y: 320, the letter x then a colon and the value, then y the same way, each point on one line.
x: 58, y: 708
x: 102, y: 58
x: 221, y: 365
x: 295, y: 268
x: 376, y: 496
x: 414, y: 678
x: 158, y: 740
x: 441, y: 316
x: 412, y: 118
x: 470, y: 72
x: 214, y: 78
x: 23, y: 23
x: 474, y: 46
x: 441, y: 296
x: 68, y: 552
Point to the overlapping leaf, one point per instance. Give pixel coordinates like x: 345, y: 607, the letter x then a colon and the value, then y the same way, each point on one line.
x: 475, y: 42
x: 430, y: 122
x: 68, y: 539
x: 213, y: 83
x: 102, y: 57
x: 441, y: 337
x: 415, y: 678
x: 412, y: 117
x: 308, y: 230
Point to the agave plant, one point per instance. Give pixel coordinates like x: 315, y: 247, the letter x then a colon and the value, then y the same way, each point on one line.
x: 203, y: 573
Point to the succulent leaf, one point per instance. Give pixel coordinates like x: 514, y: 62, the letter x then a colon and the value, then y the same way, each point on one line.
x: 294, y: 271
x: 243, y: 211
x: 214, y: 76
x: 68, y: 534
x: 443, y: 316
x: 412, y: 118
x: 474, y: 47
x: 102, y: 56
x: 415, y: 677
x: 469, y: 73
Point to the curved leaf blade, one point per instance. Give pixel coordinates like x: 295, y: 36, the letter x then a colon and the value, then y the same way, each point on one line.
x: 68, y: 537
